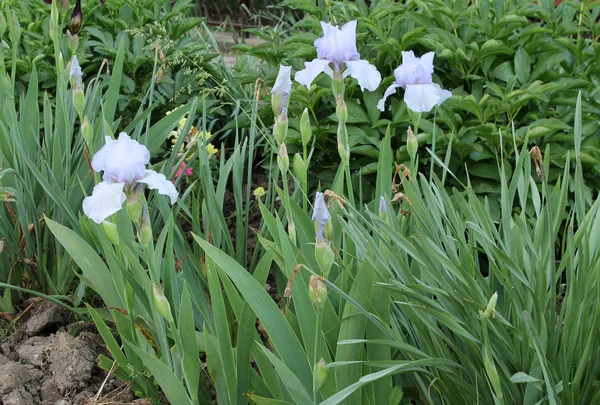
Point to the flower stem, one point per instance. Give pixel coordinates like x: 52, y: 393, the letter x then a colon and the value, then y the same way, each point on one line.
x: 319, y: 325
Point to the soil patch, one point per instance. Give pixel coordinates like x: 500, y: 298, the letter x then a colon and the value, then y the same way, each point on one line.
x: 50, y: 361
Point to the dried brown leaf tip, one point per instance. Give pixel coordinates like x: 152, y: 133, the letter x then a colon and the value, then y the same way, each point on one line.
x: 538, y: 159
x: 288, y: 288
x: 333, y: 197
x: 399, y: 197
x: 404, y: 172
x: 260, y: 87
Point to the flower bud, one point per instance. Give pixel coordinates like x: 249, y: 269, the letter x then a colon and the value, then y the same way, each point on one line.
x: 292, y: 231
x: 75, y: 74
x: 300, y: 169
x: 2, y: 245
x: 320, y: 215
x: 382, y: 208
x: 78, y: 99
x: 324, y: 255
x: 280, y: 94
x: 87, y: 131
x: 111, y: 232
x: 145, y: 230
x: 341, y: 111
x: 15, y: 27
x: 490, y: 310
x: 411, y: 144
x: 280, y: 128
x: 76, y: 18
x: 320, y: 375
x: 283, y: 160
x: 259, y: 192
x: 317, y: 291
x: 73, y: 42
x: 338, y: 84
x: 161, y: 303
x: 305, y: 128
x: 134, y: 205
x: 343, y: 150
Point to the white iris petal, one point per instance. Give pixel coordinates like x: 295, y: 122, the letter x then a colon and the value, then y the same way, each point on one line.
x: 338, y: 47
x: 312, y: 69
x: 367, y: 75
x: 415, y: 75
x: 123, y: 162
x: 106, y: 199
x: 158, y: 182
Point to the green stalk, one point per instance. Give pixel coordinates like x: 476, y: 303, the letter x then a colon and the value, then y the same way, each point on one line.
x: 319, y: 326
x: 341, y: 111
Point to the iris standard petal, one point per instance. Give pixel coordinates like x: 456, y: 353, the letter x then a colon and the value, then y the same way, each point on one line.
x: 388, y: 92
x: 337, y: 45
x: 312, y: 69
x: 423, y: 97
x: 123, y: 160
x: 367, y: 75
x: 158, y: 182
x: 106, y: 199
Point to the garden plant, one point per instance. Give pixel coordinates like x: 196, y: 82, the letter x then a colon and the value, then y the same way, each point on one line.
x: 382, y: 203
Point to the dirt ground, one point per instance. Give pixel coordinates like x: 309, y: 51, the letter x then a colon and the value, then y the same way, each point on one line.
x: 49, y: 360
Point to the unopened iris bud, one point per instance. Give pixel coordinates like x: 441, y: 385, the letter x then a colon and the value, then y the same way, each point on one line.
x: 161, y: 303
x: 411, y: 144
x: 338, y: 84
x: 87, y: 131
x: 320, y: 215
x: 343, y: 150
x: 317, y: 291
x: 78, y: 99
x: 300, y: 169
x: 490, y: 310
x: 280, y: 94
x: 340, y: 109
x: 305, y: 128
x: 134, y: 205
x: 145, y: 230
x: 382, y: 208
x: 73, y: 41
x: 280, y: 129
x: 324, y: 255
x: 292, y: 231
x: 320, y: 375
x: 111, y: 232
x: 75, y: 74
x: 283, y: 160
x: 76, y: 18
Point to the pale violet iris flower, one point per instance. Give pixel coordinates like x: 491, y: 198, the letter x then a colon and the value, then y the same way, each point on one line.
x: 280, y: 93
x: 320, y: 215
x: 336, y: 52
x: 123, y: 162
x: 415, y: 76
x: 75, y: 72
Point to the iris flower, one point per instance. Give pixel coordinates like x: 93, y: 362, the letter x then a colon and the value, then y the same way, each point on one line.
x: 123, y: 162
x: 415, y: 76
x: 75, y: 72
x: 320, y: 215
x: 280, y: 93
x: 336, y: 52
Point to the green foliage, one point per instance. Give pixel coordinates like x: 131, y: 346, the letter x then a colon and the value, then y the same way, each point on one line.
x: 162, y: 50
x: 510, y: 65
